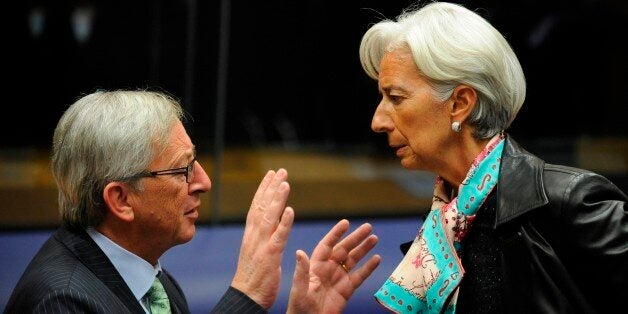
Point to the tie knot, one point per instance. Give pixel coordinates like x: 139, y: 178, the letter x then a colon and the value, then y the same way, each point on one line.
x: 157, y: 298
x: 156, y: 291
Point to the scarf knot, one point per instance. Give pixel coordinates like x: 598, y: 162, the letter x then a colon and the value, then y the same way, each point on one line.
x: 428, y: 277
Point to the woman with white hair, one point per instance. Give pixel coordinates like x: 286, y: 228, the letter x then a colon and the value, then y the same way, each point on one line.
x: 506, y: 231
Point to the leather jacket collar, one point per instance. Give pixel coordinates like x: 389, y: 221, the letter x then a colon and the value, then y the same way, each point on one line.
x: 520, y: 187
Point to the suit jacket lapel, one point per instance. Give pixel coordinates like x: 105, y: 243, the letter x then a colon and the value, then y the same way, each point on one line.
x: 88, y: 252
x: 178, y: 303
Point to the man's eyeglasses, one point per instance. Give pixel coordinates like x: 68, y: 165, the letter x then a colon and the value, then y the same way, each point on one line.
x: 188, y: 171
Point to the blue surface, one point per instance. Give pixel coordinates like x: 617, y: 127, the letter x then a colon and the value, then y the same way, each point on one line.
x: 205, y: 266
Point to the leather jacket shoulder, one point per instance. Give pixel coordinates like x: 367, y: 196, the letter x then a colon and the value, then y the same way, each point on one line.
x: 564, y: 235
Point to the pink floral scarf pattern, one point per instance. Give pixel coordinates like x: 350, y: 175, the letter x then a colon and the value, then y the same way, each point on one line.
x: 427, y: 279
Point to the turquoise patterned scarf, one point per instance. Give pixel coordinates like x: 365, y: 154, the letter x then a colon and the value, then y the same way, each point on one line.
x: 427, y: 279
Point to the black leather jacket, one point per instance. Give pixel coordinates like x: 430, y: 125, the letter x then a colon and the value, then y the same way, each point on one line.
x: 562, y: 238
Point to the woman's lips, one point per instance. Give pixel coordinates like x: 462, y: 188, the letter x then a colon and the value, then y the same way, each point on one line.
x: 399, y: 151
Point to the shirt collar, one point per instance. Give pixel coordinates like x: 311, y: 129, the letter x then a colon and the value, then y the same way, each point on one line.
x: 137, y: 273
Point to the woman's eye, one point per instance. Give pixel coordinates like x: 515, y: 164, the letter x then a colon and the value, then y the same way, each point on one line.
x: 395, y: 99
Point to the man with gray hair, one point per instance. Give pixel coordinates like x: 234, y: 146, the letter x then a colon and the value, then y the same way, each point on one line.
x: 129, y: 190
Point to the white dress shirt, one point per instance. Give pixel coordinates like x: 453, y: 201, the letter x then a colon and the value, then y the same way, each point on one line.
x: 137, y: 273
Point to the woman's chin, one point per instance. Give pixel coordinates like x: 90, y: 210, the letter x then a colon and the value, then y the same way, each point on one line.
x: 409, y: 164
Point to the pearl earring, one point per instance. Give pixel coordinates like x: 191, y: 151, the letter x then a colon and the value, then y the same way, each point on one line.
x: 456, y: 126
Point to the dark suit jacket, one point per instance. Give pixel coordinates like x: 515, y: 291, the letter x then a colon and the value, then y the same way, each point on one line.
x: 71, y: 274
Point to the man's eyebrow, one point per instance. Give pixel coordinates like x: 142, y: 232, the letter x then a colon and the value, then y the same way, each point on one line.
x: 187, y: 156
x: 190, y: 156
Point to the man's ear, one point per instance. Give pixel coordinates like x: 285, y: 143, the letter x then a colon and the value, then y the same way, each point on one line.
x: 116, y: 196
x: 463, y: 98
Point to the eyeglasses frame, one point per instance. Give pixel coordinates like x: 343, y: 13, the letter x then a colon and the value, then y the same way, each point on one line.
x: 187, y: 170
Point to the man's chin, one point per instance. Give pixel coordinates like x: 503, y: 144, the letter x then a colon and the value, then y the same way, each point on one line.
x: 188, y: 235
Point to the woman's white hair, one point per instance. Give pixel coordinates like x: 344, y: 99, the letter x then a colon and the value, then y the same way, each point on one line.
x: 103, y: 137
x: 452, y: 45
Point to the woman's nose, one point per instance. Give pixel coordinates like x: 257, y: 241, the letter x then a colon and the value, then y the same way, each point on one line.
x: 381, y: 121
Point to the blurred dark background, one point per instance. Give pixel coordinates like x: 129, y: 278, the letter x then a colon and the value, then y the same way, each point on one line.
x: 286, y: 75
x: 293, y: 74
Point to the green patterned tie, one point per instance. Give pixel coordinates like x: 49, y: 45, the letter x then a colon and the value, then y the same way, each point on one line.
x: 157, y: 298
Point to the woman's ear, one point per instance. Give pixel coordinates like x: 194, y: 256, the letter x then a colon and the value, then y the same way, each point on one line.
x: 463, y: 98
x: 116, y: 196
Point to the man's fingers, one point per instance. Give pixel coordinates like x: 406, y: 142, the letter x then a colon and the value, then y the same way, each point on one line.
x: 273, y: 190
x: 360, y: 274
x: 257, y: 201
x: 280, y: 237
x: 264, y: 185
x: 356, y: 254
x: 301, y: 278
x: 324, y: 248
x: 277, y: 205
x: 267, y: 196
x: 267, y: 188
x: 355, y: 238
